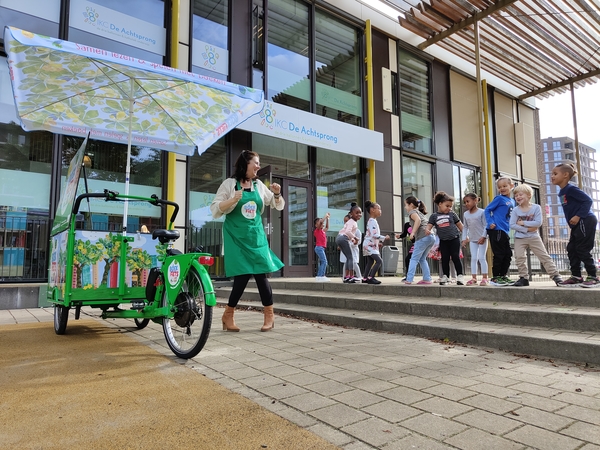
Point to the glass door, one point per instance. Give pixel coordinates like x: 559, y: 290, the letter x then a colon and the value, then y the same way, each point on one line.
x: 271, y: 218
x: 297, y: 226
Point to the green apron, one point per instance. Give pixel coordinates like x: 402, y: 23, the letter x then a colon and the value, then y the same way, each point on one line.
x: 246, y: 248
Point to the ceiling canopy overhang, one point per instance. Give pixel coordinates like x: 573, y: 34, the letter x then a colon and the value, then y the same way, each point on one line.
x: 540, y: 47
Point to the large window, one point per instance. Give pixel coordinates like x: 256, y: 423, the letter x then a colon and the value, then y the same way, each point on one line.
x: 206, y: 173
x: 415, y: 118
x: 286, y: 158
x: 337, y: 70
x: 123, y: 27
x: 38, y: 16
x: 466, y: 181
x: 105, y: 169
x: 417, y: 180
x: 210, y: 54
x: 287, y: 54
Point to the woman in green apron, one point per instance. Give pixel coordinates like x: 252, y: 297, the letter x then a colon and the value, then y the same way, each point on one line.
x: 242, y: 199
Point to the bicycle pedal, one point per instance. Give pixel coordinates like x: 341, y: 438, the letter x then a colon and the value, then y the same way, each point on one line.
x: 138, y: 305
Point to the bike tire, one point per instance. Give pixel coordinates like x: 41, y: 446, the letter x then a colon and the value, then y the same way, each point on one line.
x: 141, y: 323
x: 61, y: 317
x: 187, y: 331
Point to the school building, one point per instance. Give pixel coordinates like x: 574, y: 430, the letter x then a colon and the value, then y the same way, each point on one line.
x: 362, y: 103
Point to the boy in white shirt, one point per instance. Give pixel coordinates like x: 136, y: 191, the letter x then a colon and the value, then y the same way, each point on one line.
x: 526, y: 219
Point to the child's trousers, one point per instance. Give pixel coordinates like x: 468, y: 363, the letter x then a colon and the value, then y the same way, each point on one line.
x: 536, y: 246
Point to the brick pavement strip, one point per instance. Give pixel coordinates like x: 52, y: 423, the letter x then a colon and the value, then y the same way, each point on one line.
x: 363, y: 389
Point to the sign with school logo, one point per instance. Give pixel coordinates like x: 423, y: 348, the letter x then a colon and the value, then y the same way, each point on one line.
x: 174, y: 273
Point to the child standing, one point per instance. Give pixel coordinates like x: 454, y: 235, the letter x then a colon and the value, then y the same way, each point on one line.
x: 448, y: 227
x: 371, y: 243
x: 345, y: 237
x: 423, y: 240
x: 577, y: 206
x: 474, y: 233
x: 497, y: 216
x: 525, y: 219
x: 321, y: 227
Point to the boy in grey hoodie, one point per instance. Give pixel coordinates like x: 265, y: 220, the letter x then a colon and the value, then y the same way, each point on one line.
x: 526, y: 219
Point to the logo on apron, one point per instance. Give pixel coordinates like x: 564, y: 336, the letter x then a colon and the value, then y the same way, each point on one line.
x: 174, y: 273
x: 249, y: 210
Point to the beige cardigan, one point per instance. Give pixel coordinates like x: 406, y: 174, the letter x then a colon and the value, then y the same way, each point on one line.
x: 227, y: 190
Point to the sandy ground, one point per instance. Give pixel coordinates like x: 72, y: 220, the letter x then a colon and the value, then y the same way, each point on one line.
x: 100, y: 389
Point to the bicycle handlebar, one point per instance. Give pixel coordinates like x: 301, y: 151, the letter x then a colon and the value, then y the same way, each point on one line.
x: 115, y: 196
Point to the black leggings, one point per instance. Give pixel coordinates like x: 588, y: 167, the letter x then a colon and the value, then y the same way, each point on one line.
x: 451, y: 249
x: 502, y: 253
x: 372, y: 265
x: 241, y: 281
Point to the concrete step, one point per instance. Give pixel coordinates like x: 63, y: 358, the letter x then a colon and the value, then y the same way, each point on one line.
x: 548, y: 328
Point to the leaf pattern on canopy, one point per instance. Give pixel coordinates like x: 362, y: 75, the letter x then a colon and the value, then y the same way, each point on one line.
x: 68, y: 88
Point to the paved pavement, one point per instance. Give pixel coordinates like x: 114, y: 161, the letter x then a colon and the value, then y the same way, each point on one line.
x: 361, y: 389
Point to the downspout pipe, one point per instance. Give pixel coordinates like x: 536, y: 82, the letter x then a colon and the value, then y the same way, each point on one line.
x: 370, y: 104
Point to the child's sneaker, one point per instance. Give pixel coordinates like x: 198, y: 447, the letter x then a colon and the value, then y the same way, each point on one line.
x: 472, y: 282
x: 484, y: 282
x: 460, y: 280
x: 591, y: 282
x: 522, y: 282
x: 498, y: 281
x: 572, y: 281
x: 443, y: 280
x: 557, y: 279
x: 425, y: 282
x: 508, y: 281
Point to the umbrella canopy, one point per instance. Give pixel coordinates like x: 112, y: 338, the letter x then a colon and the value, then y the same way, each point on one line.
x: 74, y: 89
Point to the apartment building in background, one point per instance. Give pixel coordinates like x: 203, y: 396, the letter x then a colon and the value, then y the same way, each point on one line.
x: 554, y: 151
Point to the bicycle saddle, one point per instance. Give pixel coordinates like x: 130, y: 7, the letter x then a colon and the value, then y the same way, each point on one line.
x: 165, y: 236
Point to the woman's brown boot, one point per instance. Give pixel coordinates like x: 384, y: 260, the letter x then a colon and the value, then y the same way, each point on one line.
x: 269, y: 318
x: 228, y: 322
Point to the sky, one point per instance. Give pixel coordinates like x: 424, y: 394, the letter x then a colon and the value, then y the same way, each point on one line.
x: 556, y: 118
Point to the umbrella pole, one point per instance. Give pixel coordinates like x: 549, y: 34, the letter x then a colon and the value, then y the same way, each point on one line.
x: 128, y: 167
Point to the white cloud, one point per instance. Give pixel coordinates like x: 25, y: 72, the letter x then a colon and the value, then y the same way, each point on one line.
x: 556, y: 118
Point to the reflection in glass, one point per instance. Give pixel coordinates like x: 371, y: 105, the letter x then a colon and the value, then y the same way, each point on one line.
x: 206, y: 173
x: 297, y: 206
x: 338, y: 84
x: 415, y: 119
x: 286, y: 158
x: 209, y: 49
x: 288, y: 63
x: 417, y: 181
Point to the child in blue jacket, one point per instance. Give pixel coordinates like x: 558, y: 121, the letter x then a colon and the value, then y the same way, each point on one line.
x: 497, y: 216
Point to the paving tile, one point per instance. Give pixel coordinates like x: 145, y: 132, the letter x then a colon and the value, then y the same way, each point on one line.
x: 357, y: 398
x: 415, y: 442
x: 543, y: 439
x: 442, y: 407
x: 543, y: 403
x: 449, y: 392
x: 339, y: 415
x: 330, y: 434
x: 580, y: 413
x: 329, y: 387
x: 417, y: 383
x: 542, y: 419
x: 308, y: 401
x: 303, y: 378
x: 493, y: 390
x: 283, y: 390
x: 578, y: 399
x: 480, y: 440
x: 375, y: 431
x: 486, y: 421
x: 433, y: 426
x: 404, y: 395
x: 372, y: 385
x: 490, y: 404
x: 391, y: 411
x: 583, y: 431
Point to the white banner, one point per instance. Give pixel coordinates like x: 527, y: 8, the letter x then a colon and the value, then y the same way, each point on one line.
x: 291, y: 124
x: 111, y: 24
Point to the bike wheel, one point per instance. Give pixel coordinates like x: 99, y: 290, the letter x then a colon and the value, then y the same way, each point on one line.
x: 187, y: 331
x: 61, y: 316
x: 141, y: 323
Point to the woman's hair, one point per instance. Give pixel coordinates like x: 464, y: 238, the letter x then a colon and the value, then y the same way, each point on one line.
x: 525, y: 188
x: 472, y: 197
x: 412, y: 200
x: 241, y: 164
x: 568, y: 168
x: 442, y: 197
